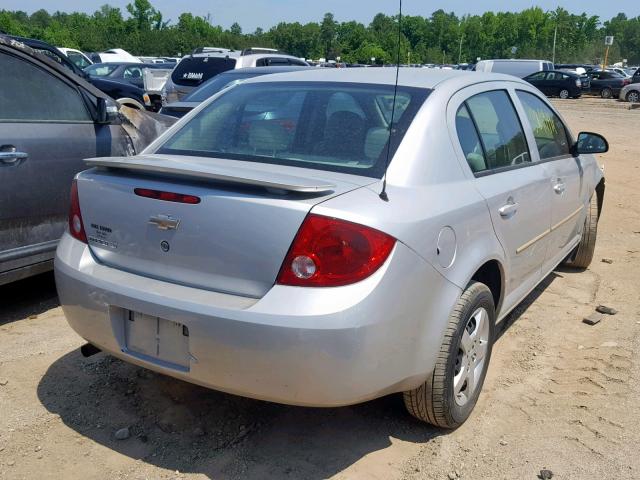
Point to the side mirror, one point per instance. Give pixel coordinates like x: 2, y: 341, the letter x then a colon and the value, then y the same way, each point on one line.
x: 589, y: 143
x: 107, y: 111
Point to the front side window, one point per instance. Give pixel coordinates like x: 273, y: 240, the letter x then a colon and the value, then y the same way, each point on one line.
x: 79, y: 60
x: 29, y: 93
x: 327, y: 126
x: 501, y: 134
x: 548, y: 130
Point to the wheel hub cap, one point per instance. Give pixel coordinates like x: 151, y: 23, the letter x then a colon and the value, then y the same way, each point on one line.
x: 470, y: 360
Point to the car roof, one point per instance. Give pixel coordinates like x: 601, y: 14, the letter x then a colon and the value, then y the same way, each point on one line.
x: 408, y: 77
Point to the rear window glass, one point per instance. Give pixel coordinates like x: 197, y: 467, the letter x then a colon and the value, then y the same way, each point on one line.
x: 216, y: 84
x: 340, y: 127
x: 193, y: 71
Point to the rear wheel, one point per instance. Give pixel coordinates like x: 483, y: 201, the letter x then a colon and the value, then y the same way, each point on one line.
x: 564, y: 94
x: 606, y: 93
x: 447, y: 397
x: 633, y: 96
x: 584, y: 251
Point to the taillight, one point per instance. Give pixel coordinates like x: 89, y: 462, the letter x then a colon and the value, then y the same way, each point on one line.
x: 76, y: 227
x: 328, y: 252
x: 167, y: 196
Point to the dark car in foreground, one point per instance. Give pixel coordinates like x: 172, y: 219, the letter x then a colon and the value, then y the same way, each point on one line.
x: 607, y: 84
x: 50, y: 120
x: 557, y: 84
x: 219, y: 83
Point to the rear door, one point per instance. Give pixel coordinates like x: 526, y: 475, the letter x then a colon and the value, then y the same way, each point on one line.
x: 566, y: 174
x: 516, y: 189
x: 45, y: 132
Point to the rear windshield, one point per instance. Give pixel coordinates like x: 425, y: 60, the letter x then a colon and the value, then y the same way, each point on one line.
x: 193, y: 71
x: 216, y: 84
x: 341, y: 127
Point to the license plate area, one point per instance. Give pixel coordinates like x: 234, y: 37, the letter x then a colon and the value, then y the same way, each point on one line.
x: 157, y: 340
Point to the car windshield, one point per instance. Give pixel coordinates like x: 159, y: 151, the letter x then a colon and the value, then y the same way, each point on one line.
x: 101, y: 70
x: 216, y: 84
x: 342, y: 127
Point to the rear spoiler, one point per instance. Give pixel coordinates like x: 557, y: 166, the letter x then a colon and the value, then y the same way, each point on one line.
x: 235, y: 174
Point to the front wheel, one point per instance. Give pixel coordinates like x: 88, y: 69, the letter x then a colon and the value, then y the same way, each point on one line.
x: 633, y: 96
x: 447, y: 397
x: 606, y: 93
x: 564, y: 94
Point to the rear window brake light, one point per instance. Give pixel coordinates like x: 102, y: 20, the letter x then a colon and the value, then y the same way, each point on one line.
x: 167, y: 196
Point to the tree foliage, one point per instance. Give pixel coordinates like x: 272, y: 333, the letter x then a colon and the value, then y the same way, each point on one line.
x: 441, y: 38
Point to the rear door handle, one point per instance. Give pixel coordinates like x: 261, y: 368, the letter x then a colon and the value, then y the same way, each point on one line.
x: 508, y: 210
x: 9, y: 156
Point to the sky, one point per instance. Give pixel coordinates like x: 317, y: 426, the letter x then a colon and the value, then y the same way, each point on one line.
x: 251, y: 14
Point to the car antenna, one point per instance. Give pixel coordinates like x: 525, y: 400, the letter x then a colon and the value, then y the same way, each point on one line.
x: 383, y: 193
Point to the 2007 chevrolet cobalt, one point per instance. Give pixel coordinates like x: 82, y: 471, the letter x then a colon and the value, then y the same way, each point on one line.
x: 258, y: 248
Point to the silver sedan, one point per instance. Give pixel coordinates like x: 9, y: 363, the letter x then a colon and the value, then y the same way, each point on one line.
x: 324, y: 238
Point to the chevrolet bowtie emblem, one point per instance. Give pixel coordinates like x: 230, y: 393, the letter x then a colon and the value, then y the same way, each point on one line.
x: 165, y: 222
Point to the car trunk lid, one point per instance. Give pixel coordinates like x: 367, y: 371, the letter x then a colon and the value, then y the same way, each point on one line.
x: 234, y: 240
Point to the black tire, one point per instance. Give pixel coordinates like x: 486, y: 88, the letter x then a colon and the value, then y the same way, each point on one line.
x: 434, y: 401
x: 633, y: 96
x: 564, y: 94
x: 584, y: 251
x: 606, y: 93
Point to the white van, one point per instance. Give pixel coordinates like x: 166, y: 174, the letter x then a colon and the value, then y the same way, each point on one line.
x: 516, y: 67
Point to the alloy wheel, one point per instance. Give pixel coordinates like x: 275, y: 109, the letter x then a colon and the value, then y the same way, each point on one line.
x: 564, y: 94
x: 633, y: 97
x: 470, y: 360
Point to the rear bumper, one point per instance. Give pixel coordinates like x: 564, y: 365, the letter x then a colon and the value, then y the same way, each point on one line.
x: 313, y: 347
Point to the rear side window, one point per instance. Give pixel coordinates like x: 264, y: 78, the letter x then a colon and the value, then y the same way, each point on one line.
x: 470, y: 141
x: 192, y: 71
x: 503, y: 141
x: 31, y: 94
x: 101, y: 70
x: 548, y: 130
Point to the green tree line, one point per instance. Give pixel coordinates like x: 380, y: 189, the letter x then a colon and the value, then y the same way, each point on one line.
x: 441, y: 38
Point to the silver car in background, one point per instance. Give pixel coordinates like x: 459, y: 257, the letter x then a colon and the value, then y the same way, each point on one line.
x: 258, y: 247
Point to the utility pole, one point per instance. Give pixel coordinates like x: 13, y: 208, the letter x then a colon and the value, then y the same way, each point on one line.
x: 460, y: 49
x: 555, y: 37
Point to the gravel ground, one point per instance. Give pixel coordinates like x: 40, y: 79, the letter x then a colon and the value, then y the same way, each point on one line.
x: 560, y: 395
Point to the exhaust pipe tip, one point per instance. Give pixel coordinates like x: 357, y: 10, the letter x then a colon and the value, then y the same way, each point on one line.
x: 87, y: 350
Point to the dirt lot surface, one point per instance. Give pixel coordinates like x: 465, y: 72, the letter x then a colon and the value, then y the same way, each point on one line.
x: 560, y: 395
